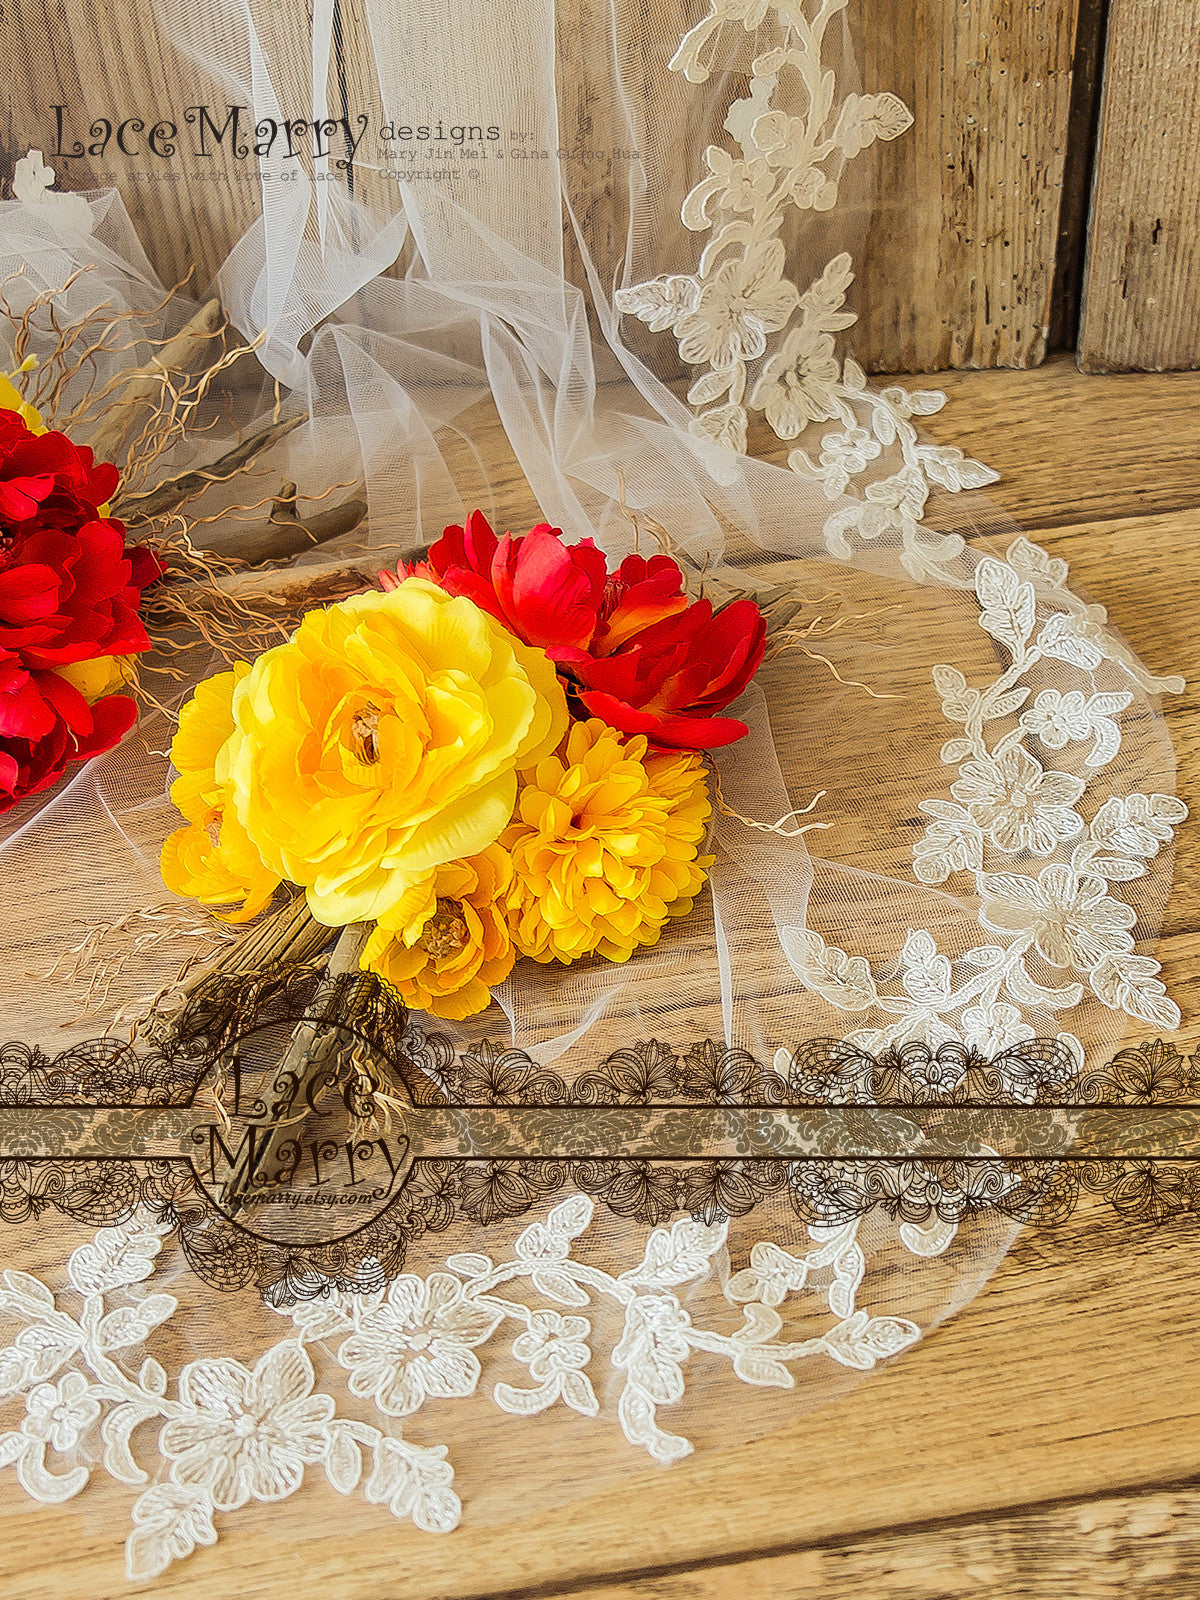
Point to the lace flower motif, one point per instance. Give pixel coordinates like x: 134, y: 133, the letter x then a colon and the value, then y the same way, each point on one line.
x: 1073, y: 921
x: 417, y: 1343
x: 553, y: 1344
x: 1018, y: 804
x: 248, y: 1435
x: 61, y: 1412
x: 798, y: 383
x: 738, y: 307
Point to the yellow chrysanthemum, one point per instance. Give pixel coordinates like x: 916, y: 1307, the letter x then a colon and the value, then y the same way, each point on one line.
x: 605, y: 846
x: 212, y: 860
x: 383, y: 740
x: 446, y: 941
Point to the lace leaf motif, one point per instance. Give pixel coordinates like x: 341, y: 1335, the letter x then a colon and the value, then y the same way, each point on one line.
x: 768, y: 347
x: 1043, y: 875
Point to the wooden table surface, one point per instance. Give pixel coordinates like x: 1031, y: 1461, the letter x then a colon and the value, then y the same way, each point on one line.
x: 1042, y: 1443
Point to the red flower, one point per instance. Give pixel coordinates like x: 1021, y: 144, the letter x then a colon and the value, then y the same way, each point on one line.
x: 559, y: 597
x: 667, y: 680
x: 637, y: 595
x: 45, y: 724
x: 634, y: 652
x: 46, y: 479
x: 69, y: 593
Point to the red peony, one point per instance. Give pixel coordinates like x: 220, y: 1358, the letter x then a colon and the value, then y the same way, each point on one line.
x: 559, y: 597
x: 69, y: 594
x: 47, y: 479
x: 636, y: 654
x: 68, y: 730
x: 667, y: 681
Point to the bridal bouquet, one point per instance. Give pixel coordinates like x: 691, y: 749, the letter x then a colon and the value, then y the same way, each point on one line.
x: 79, y: 601
x: 496, y: 754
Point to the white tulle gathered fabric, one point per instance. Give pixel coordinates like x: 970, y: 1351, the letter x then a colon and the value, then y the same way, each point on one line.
x: 996, y: 777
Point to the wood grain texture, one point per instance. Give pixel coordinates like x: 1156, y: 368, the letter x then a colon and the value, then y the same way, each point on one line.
x: 1142, y: 281
x: 1135, y: 1545
x: 959, y: 263
x: 1082, y: 118
x: 1037, y: 1446
x: 51, y: 53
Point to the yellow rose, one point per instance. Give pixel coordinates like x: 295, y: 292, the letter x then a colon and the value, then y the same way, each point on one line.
x: 212, y: 860
x: 446, y: 941
x: 383, y: 741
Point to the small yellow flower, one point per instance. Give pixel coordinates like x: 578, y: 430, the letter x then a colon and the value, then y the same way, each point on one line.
x: 446, y: 941
x: 212, y: 860
x: 383, y: 741
x: 101, y: 676
x: 11, y: 399
x: 605, y: 846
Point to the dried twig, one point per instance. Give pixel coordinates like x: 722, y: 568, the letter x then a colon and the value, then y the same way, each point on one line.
x: 143, y: 386
x: 779, y: 828
x: 284, y: 535
x: 174, y: 492
x: 106, y: 949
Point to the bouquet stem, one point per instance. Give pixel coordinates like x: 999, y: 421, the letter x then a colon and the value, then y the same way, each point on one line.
x: 289, y: 937
x: 316, y: 1051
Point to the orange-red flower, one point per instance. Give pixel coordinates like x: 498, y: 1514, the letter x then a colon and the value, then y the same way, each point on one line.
x: 668, y: 680
x: 634, y: 652
x: 560, y: 597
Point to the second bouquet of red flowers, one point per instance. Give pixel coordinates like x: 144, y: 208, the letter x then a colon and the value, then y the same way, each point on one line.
x: 70, y: 588
x: 496, y: 754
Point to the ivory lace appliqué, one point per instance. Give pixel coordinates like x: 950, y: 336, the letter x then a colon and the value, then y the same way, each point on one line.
x: 224, y: 1434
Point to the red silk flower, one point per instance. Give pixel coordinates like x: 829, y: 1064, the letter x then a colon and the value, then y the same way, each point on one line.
x: 636, y: 654
x: 560, y: 597
x: 667, y: 681
x: 29, y: 765
x: 69, y: 593
x: 47, y: 480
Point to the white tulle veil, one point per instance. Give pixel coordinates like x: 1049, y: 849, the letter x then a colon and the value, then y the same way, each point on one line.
x: 514, y: 336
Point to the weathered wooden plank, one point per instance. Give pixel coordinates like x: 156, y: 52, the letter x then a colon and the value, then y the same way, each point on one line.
x: 959, y: 265
x: 1142, y: 282
x: 1089, y: 1549
x: 1082, y: 118
x: 52, y: 53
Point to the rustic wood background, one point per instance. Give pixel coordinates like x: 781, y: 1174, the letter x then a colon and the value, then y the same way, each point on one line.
x: 1039, y: 1445
x: 987, y: 232
x: 1142, y: 285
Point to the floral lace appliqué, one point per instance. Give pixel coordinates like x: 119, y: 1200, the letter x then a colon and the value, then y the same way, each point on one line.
x: 232, y: 1434
x: 770, y: 347
x: 1044, y: 876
